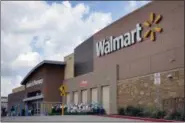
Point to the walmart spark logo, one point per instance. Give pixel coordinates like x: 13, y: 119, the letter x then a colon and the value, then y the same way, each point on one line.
x: 153, y: 26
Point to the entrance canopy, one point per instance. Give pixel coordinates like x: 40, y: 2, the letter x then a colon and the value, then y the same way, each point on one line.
x: 33, y: 98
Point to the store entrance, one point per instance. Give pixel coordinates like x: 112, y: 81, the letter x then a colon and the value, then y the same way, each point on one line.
x: 34, y: 107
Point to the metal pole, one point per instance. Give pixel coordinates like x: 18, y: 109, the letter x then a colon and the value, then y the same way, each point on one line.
x: 62, y: 108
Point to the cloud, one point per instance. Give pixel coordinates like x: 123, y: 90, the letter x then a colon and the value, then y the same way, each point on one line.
x: 133, y: 5
x: 32, y: 31
x: 9, y: 83
x: 26, y: 60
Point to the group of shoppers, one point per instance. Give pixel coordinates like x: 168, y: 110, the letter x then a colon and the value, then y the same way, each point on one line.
x: 22, y: 112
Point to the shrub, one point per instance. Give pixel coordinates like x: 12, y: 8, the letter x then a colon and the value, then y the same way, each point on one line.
x: 161, y: 114
x: 134, y: 111
x: 50, y: 114
x: 121, y: 111
x: 146, y: 113
x: 52, y: 110
x: 151, y: 112
x: 175, y: 116
x: 65, y: 109
x: 183, y: 116
x: 158, y: 114
x: 89, y: 113
x: 142, y: 112
x: 139, y: 111
x: 129, y: 110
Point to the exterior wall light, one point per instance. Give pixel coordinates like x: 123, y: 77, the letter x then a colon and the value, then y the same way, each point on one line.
x: 169, y: 76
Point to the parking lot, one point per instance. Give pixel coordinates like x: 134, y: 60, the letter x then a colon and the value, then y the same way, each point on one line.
x: 66, y: 118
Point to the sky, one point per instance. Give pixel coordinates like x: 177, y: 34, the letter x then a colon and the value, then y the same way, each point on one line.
x: 33, y: 31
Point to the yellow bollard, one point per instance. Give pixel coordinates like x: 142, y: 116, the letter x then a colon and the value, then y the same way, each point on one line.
x: 62, y: 109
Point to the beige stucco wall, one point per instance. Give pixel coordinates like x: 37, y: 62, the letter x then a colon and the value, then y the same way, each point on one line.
x: 20, y: 88
x: 69, y: 69
x: 96, y: 79
x: 142, y: 90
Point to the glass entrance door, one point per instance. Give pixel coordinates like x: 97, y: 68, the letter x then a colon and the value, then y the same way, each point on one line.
x: 36, y: 107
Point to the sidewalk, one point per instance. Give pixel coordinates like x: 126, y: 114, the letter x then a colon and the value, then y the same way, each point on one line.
x: 140, y: 118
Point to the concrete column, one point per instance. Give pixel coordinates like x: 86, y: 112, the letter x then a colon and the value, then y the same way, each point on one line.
x: 113, y: 98
x: 79, y: 96
x: 88, y: 95
x: 71, y: 97
x: 99, y: 95
x: 113, y: 90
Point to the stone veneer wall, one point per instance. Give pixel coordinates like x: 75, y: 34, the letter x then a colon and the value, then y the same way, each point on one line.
x: 142, y: 90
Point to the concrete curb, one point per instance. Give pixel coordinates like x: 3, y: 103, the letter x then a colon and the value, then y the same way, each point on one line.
x: 140, y: 118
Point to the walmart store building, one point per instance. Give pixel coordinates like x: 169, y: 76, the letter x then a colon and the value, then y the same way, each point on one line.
x: 137, y: 60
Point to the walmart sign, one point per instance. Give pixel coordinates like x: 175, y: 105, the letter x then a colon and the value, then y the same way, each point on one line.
x: 112, y: 44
